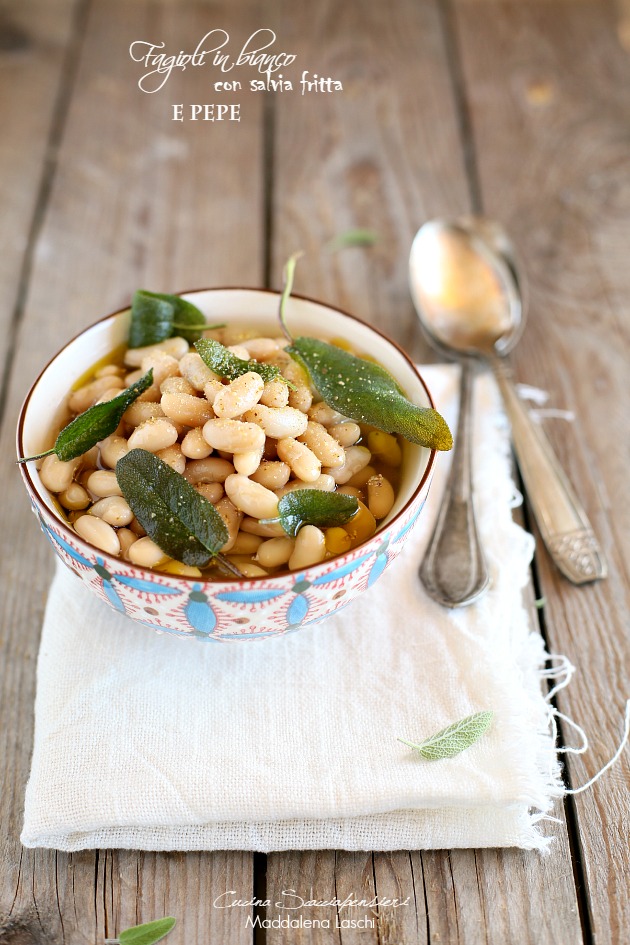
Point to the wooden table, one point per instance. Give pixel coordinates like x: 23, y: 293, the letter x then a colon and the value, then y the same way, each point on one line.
x: 518, y: 109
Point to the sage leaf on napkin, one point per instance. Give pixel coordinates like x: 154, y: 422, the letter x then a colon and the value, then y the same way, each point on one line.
x: 148, y: 932
x: 179, y: 519
x: 95, y: 423
x: 314, y: 507
x: 367, y: 393
x: 226, y: 364
x: 454, y: 738
x: 156, y: 316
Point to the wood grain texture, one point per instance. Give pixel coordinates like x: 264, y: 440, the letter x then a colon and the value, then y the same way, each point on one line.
x: 384, y: 154
x: 555, y: 94
x: 390, y: 175
x: 34, y: 41
x: 136, y: 200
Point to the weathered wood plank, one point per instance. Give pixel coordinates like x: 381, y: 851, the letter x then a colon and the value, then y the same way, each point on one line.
x: 137, y: 200
x: 34, y: 37
x: 376, y: 154
x: 356, y: 174
x: 550, y: 116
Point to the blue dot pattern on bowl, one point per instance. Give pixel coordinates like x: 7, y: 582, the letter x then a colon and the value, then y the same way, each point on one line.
x: 254, y: 612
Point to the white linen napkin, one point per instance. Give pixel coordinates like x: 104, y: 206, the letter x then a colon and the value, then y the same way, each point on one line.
x: 146, y: 741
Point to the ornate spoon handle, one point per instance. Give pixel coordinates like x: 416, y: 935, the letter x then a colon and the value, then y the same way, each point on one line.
x: 562, y: 521
x: 453, y: 570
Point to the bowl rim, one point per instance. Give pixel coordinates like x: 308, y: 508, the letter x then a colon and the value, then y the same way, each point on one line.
x: 187, y: 579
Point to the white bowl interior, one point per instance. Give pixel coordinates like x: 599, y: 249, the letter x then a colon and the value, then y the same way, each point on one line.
x: 247, y: 307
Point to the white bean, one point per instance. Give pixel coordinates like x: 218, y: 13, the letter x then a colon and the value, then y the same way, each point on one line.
x: 301, y: 398
x: 246, y: 544
x: 113, y: 448
x: 196, y: 372
x: 356, y: 458
x: 176, y: 347
x: 254, y: 527
x: 272, y: 475
x: 173, y: 457
x: 361, y: 477
x: 146, y: 553
x: 260, y: 349
x: 380, y: 496
x: 194, y: 446
x: 239, y: 351
x: 113, y: 510
x: 300, y: 458
x: 103, y: 483
x: 176, y: 385
x: 212, y: 491
x: 79, y: 400
x: 278, y: 421
x: 153, y: 435
x: 212, y: 469
x: 232, y: 518
x: 75, y: 497
x: 126, y: 538
x: 163, y: 366
x: 186, y: 408
x: 346, y: 434
x: 275, y: 394
x: 98, y: 533
x: 247, y: 463
x: 241, y: 395
x: 140, y: 411
x: 324, y: 483
x: 310, y: 548
x: 249, y: 569
x: 325, y: 415
x: 57, y: 475
x: 109, y: 394
x: 234, y: 436
x: 132, y: 377
x: 325, y: 447
x: 250, y: 497
x: 275, y: 551
x: 137, y: 528
x: 109, y: 369
x: 211, y: 390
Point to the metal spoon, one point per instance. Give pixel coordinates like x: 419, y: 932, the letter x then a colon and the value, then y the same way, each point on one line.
x: 453, y: 570
x: 465, y: 283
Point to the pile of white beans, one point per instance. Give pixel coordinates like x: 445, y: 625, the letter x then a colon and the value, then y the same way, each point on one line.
x: 242, y: 445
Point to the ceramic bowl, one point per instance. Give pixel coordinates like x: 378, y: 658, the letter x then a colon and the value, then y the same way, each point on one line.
x: 225, y: 610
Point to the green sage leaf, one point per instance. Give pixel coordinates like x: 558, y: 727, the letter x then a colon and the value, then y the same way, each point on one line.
x: 148, y: 932
x: 95, y: 423
x: 314, y: 507
x: 349, y: 238
x: 181, y: 521
x: 454, y: 738
x: 367, y: 393
x: 217, y: 357
x: 156, y: 316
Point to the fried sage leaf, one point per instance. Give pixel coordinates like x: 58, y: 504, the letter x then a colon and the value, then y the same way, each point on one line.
x: 178, y: 518
x: 314, y: 507
x: 95, y: 423
x: 367, y: 393
x: 220, y: 360
x: 454, y: 738
x: 156, y: 316
x: 148, y: 933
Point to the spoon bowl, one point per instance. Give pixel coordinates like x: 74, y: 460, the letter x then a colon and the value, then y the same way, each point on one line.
x: 466, y: 286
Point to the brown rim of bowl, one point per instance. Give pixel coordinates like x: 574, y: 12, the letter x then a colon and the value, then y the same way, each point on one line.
x: 251, y: 581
